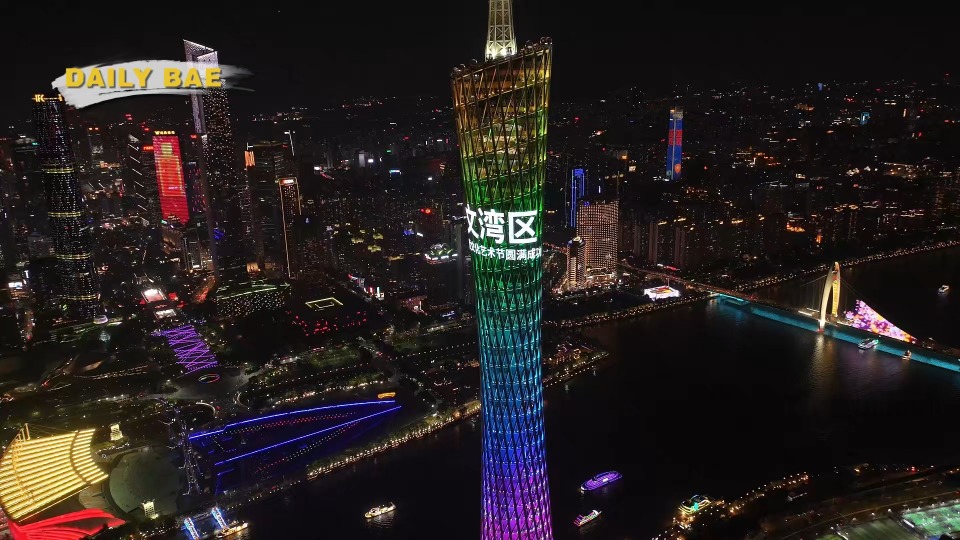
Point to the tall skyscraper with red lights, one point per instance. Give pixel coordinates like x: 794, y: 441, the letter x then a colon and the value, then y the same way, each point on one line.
x: 675, y: 144
x: 169, y: 167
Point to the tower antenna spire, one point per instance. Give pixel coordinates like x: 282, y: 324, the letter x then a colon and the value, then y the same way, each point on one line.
x: 500, y: 39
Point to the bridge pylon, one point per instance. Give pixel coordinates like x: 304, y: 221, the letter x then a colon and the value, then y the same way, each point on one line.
x: 831, y: 287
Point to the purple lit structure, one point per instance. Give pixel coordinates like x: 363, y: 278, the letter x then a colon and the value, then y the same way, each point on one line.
x: 308, y: 435
x: 192, y: 352
x: 230, y: 426
x: 866, y: 318
x: 600, y: 480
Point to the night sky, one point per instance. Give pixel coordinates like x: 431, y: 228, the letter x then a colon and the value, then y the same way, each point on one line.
x: 342, y: 49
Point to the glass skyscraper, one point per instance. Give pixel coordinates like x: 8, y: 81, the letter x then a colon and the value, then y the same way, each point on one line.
x: 226, y: 191
x: 70, y: 225
x: 501, y: 118
x: 169, y: 170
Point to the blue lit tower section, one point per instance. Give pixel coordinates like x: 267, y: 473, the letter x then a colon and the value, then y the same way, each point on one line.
x: 675, y: 144
x: 578, y: 190
x: 225, y: 190
x: 70, y: 227
x: 500, y: 108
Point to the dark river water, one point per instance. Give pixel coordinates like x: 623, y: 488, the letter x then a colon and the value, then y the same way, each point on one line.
x: 699, y: 399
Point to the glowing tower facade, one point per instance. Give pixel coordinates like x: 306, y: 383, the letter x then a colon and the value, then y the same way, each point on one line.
x: 224, y: 188
x: 501, y: 119
x: 169, y: 166
x: 70, y: 226
x: 675, y: 144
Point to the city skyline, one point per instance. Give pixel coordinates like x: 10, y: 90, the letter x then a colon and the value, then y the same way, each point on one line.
x: 371, y: 298
x: 698, y: 52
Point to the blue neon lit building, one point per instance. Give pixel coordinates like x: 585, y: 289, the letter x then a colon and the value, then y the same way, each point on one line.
x: 675, y: 144
x: 578, y: 190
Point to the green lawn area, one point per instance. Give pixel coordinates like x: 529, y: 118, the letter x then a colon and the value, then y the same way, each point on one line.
x: 334, y: 358
x: 881, y: 529
x: 936, y: 521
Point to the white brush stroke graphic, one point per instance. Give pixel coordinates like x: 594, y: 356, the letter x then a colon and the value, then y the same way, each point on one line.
x: 83, y: 97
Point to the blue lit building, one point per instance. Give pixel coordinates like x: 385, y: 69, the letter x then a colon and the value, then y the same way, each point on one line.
x: 675, y: 144
x: 578, y: 190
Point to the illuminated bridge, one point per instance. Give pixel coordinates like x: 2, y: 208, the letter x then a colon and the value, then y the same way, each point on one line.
x: 259, y: 445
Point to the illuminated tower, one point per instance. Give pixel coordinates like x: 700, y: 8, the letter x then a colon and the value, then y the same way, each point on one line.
x: 290, y: 213
x: 501, y: 120
x: 675, y: 144
x: 70, y: 227
x: 225, y: 189
x: 500, y: 39
x: 169, y: 167
x: 831, y: 287
x: 578, y: 190
x: 598, y: 225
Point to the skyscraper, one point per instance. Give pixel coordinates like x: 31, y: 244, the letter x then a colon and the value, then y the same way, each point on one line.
x: 225, y: 189
x: 70, y: 227
x: 266, y: 166
x: 578, y: 190
x: 501, y: 119
x: 169, y: 170
x: 289, y: 190
x: 575, y: 276
x: 140, y: 177
x: 598, y: 227
x: 675, y: 144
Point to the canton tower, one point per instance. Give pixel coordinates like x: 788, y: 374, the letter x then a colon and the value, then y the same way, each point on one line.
x: 501, y: 118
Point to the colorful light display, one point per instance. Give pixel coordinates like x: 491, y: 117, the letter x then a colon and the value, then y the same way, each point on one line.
x: 675, y: 144
x: 866, y: 318
x: 656, y: 293
x: 192, y: 352
x: 72, y: 526
x: 169, y: 166
x: 501, y: 118
x: 37, y: 473
x: 230, y: 426
x: 308, y: 435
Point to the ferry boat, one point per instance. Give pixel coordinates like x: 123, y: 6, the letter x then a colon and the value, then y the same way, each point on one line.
x: 906, y: 356
x: 600, y: 480
x: 580, y: 521
x: 233, y: 529
x: 944, y: 289
x: 380, y: 510
x: 868, y: 343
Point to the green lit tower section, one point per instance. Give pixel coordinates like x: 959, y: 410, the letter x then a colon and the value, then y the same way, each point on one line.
x: 501, y: 117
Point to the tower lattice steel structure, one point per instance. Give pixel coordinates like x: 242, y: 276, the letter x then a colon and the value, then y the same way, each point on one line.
x: 500, y: 39
x: 501, y: 117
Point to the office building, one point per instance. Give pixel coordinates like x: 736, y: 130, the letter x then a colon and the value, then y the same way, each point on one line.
x: 598, y: 227
x: 225, y: 188
x: 289, y: 192
x: 70, y: 226
x: 140, y: 178
x: 675, y: 144
x: 575, y: 270
x: 577, y: 190
x: 274, y: 203
x: 500, y: 108
x: 169, y: 172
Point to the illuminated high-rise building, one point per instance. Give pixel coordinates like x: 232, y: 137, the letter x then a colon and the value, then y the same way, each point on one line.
x: 225, y: 189
x: 501, y: 119
x: 289, y: 190
x: 575, y: 277
x: 598, y: 227
x: 267, y: 165
x: 140, y: 177
x: 169, y: 171
x: 578, y: 190
x: 70, y: 227
x: 675, y: 144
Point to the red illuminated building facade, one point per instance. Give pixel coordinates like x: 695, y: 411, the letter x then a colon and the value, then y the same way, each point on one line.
x: 169, y: 166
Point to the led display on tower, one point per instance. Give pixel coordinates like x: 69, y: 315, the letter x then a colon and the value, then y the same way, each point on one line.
x: 501, y: 119
x: 169, y: 166
x: 675, y: 144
